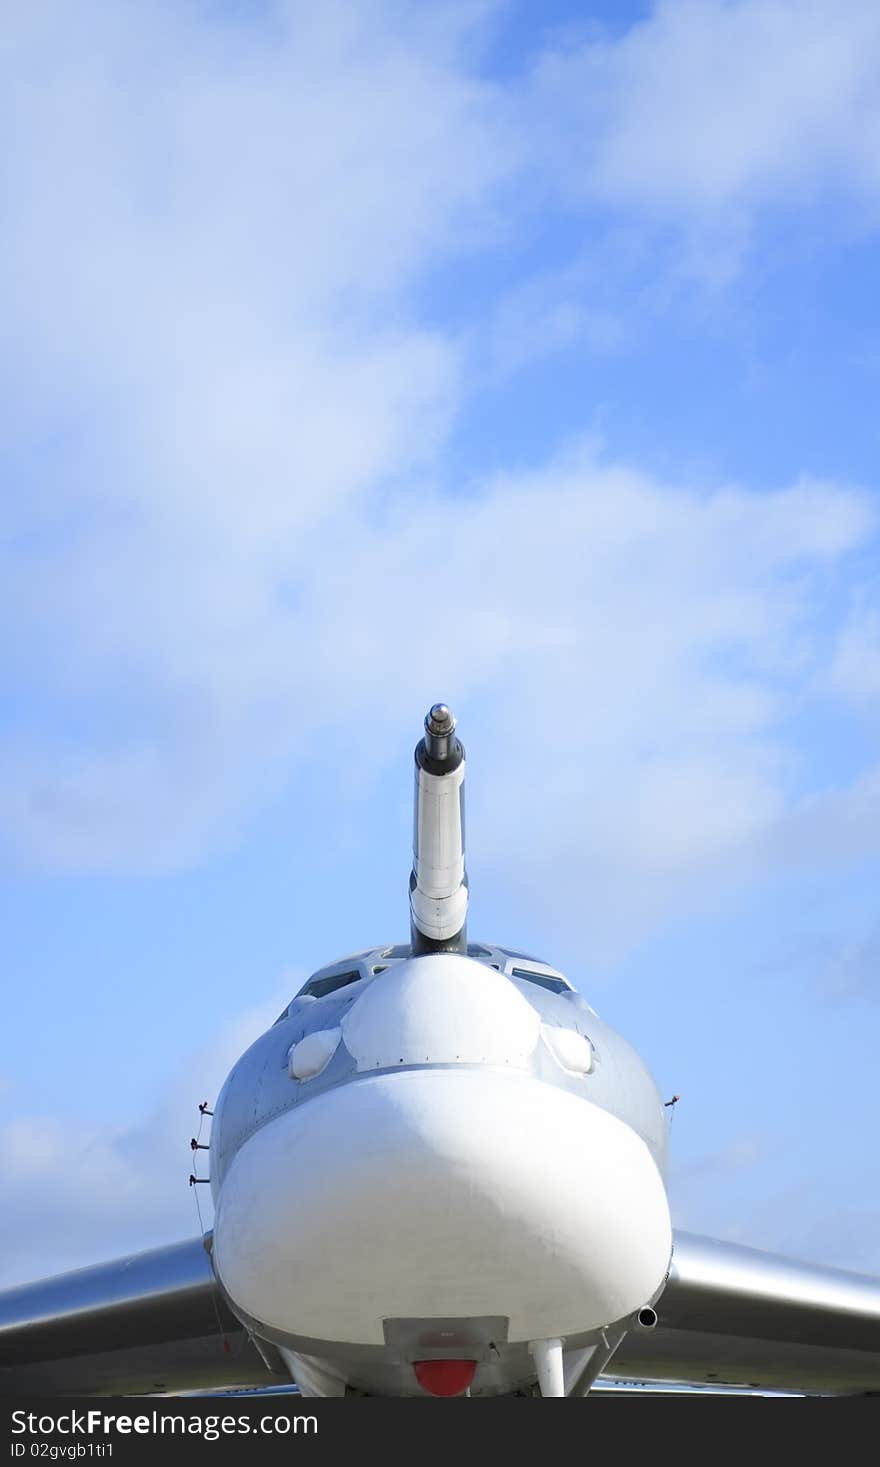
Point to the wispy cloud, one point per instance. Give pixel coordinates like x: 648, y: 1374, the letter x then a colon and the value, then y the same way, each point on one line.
x: 855, y: 670
x: 229, y: 526
x: 852, y: 969
x: 708, y: 109
x: 119, y: 1185
x: 224, y: 424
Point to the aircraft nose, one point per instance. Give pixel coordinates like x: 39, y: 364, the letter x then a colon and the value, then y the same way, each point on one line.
x: 441, y: 1009
x: 453, y: 1192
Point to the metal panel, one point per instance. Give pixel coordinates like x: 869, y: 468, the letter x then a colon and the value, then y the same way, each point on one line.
x: 736, y: 1315
x: 156, y: 1322
x: 151, y: 1321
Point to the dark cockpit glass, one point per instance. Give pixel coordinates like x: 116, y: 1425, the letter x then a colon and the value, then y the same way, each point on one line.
x: 320, y: 987
x: 544, y: 980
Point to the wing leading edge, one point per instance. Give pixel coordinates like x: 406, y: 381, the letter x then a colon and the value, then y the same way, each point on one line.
x: 736, y: 1316
x: 151, y: 1322
x: 156, y: 1322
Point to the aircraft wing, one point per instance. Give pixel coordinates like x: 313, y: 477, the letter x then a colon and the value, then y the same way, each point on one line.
x: 149, y: 1323
x: 156, y: 1322
x: 735, y: 1316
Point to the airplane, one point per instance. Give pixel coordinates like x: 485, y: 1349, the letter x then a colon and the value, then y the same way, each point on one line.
x: 440, y: 1173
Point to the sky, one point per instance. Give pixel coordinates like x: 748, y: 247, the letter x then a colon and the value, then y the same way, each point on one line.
x: 361, y: 355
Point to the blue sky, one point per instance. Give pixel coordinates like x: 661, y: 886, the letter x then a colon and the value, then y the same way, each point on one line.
x: 360, y: 355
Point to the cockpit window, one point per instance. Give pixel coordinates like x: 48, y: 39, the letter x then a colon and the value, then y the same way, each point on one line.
x: 526, y: 957
x: 320, y: 987
x: 474, y: 950
x: 544, y: 980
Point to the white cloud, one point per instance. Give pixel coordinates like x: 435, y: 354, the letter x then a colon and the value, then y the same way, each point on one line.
x: 853, y: 969
x: 209, y: 356
x: 709, y: 113
x: 855, y: 671
x: 825, y: 827
x: 740, y: 1193
x: 797, y: 1222
x: 647, y: 643
x: 117, y: 1187
x: 227, y: 527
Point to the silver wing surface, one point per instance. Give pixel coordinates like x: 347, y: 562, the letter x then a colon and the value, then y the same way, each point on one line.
x: 149, y: 1323
x: 736, y: 1316
x: 156, y: 1322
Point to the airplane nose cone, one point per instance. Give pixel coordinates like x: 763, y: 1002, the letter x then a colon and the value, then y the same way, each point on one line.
x: 439, y: 1193
x: 441, y: 1009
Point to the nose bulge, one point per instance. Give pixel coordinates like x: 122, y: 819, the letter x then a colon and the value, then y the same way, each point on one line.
x: 457, y: 1185
x: 442, y: 1193
x: 441, y: 1009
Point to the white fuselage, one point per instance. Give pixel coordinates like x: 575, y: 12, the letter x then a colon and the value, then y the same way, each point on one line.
x: 434, y: 1166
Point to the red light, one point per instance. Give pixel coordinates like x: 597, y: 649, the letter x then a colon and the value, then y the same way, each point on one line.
x: 444, y: 1377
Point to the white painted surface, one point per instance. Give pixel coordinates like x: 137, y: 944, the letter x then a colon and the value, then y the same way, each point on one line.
x: 547, y: 1355
x: 569, y: 1049
x: 439, y: 900
x: 439, y: 1010
x: 439, y: 917
x: 313, y: 1054
x: 444, y: 1192
x: 438, y: 848
x: 314, y: 1377
x: 574, y: 1362
x: 301, y: 1001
